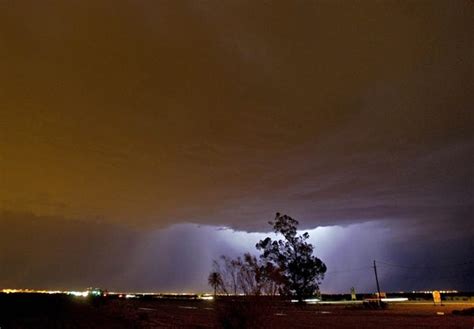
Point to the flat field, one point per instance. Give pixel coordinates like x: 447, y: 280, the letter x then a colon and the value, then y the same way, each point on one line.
x: 56, y: 311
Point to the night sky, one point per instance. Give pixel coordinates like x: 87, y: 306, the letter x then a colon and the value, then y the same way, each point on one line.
x: 141, y: 139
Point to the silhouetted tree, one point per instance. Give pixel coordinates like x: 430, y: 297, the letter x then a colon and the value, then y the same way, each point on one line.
x: 250, y: 275
x: 215, y: 281
x: 228, y: 269
x: 292, y: 259
x: 272, y: 279
x: 247, y: 275
x: 230, y: 272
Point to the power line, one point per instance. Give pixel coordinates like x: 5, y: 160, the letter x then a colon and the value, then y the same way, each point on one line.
x: 425, y: 267
x: 379, y: 296
x: 350, y: 270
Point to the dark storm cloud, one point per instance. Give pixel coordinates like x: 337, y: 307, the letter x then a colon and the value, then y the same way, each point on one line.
x: 139, y: 115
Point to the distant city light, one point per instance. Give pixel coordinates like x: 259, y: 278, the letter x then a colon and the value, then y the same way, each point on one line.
x: 206, y: 297
x: 78, y: 293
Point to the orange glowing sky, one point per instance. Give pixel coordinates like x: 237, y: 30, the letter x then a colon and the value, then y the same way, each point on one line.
x: 145, y: 114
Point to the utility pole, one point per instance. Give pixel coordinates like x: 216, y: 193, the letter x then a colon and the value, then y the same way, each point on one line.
x: 377, y: 281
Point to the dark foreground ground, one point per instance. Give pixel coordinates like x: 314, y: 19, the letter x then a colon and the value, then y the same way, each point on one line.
x: 57, y: 311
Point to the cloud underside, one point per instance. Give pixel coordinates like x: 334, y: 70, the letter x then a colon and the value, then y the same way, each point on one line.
x: 162, y: 113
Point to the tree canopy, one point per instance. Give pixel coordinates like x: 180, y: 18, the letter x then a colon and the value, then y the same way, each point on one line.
x: 301, y: 272
x: 215, y: 281
x: 286, y: 266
